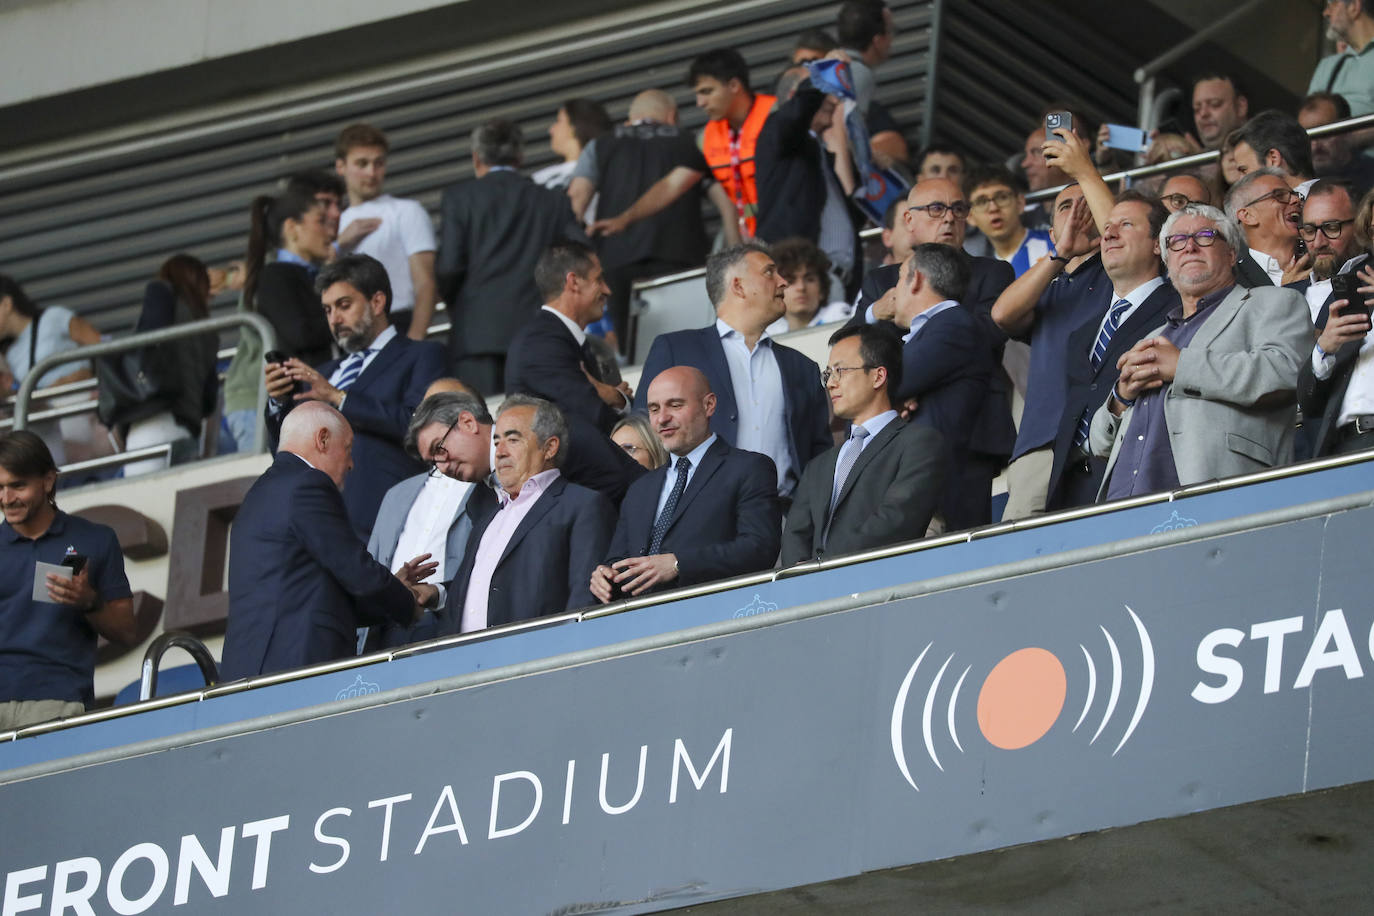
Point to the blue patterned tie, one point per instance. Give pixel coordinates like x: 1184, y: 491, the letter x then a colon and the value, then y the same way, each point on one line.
x: 352, y: 368
x: 1104, y: 340
x: 665, y: 517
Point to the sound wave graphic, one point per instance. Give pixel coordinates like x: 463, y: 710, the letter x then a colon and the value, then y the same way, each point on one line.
x: 1021, y: 697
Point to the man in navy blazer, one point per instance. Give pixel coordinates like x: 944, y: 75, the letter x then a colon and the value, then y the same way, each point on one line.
x: 946, y: 367
x: 710, y: 513
x: 377, y: 386
x: 300, y: 580
x: 534, y: 554
x: 769, y: 397
x: 551, y: 359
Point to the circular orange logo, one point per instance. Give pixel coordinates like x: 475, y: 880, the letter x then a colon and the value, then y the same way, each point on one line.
x: 1021, y: 698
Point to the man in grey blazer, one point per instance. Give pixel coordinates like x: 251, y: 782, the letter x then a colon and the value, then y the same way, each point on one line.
x: 880, y: 486
x: 1212, y: 393
x: 430, y: 513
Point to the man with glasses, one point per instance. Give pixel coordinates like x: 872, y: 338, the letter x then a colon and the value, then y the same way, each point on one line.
x: 1181, y: 190
x: 996, y: 202
x: 1211, y: 393
x: 880, y: 485
x: 936, y: 213
x: 1269, y: 213
x: 1328, y: 231
x: 431, y: 513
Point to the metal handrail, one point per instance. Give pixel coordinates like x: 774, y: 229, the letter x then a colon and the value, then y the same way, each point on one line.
x: 723, y: 585
x: 119, y: 459
x: 148, y: 338
x: 174, y: 639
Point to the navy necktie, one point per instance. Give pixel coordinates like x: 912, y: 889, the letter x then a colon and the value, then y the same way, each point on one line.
x: 665, y: 517
x: 351, y: 369
x: 1104, y: 340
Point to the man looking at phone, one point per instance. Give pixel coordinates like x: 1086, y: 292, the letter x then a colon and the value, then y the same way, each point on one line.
x: 1337, y: 382
x: 1328, y: 230
x: 47, y: 644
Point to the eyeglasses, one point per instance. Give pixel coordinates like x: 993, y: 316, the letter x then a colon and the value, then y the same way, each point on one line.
x: 1205, y: 238
x: 1000, y: 198
x: 1331, y: 229
x: 630, y: 448
x: 440, y: 452
x: 1177, y: 201
x: 936, y: 210
x: 828, y: 373
x: 1282, y: 196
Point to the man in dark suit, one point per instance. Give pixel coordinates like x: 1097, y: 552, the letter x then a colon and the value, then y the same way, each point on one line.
x: 551, y: 358
x: 1139, y: 300
x: 797, y: 175
x: 1269, y: 213
x: 946, y: 365
x: 711, y: 513
x: 937, y: 213
x: 376, y: 386
x: 769, y: 397
x: 881, y: 485
x: 300, y: 581
x: 535, y: 554
x: 492, y: 229
x: 1335, y: 382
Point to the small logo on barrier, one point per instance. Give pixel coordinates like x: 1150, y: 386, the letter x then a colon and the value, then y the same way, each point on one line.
x: 1173, y: 523
x: 359, y: 688
x: 755, y: 607
x: 1022, y: 696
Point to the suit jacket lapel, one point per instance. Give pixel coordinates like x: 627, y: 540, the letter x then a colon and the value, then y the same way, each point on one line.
x: 542, y: 507
x: 718, y: 368
x: 385, y: 357
x: 710, y: 463
x: 866, y: 456
x: 1226, y: 310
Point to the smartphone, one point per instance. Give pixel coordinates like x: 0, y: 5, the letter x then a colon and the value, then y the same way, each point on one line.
x: 75, y: 562
x: 1130, y: 139
x: 1347, y: 286
x: 1058, y: 120
x: 277, y: 356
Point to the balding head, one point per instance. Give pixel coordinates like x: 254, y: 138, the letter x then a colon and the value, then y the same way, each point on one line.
x: 680, y: 403
x: 450, y: 386
x: 318, y: 433
x: 654, y: 105
x: 923, y: 226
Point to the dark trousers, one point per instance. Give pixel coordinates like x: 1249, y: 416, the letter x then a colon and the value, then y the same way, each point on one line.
x: 1078, y: 484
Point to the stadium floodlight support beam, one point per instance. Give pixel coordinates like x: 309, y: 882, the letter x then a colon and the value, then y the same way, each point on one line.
x: 937, y: 10
x: 146, y: 339
x: 1145, y: 74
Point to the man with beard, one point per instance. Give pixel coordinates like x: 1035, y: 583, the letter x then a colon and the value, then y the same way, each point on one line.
x: 1328, y: 230
x: 376, y: 386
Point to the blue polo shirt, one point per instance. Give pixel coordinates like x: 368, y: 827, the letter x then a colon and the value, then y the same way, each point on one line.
x: 1070, y: 301
x: 47, y: 650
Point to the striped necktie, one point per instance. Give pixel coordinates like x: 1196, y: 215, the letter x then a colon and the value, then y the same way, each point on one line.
x: 351, y: 369
x: 1104, y: 340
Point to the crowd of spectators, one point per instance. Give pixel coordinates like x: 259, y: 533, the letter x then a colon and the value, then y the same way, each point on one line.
x: 1203, y: 324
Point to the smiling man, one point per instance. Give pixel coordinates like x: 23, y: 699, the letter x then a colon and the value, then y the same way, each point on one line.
x: 880, y: 486
x: 710, y: 513
x: 377, y: 385
x: 1212, y: 393
x: 535, y: 554
x: 770, y: 398
x: 1269, y: 213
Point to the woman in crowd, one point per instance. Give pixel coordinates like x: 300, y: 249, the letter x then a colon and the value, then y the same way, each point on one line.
x: 181, y: 293
x: 293, y: 224
x: 636, y: 437
x: 577, y: 123
x: 28, y: 335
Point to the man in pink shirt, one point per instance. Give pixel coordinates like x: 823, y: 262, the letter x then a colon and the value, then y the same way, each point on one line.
x: 534, y: 555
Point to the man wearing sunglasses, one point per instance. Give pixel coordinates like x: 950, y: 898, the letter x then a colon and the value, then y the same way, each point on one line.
x: 1269, y: 213
x: 1212, y: 393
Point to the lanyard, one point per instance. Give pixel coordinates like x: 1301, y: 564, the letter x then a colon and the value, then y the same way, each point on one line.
x: 737, y: 180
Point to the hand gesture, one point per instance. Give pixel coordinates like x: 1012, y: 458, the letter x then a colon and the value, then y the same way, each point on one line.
x: 885, y: 309
x: 613, y: 225
x: 601, y: 583
x: 1065, y: 150
x: 1148, y: 365
x: 74, y: 592
x: 1080, y: 235
x: 317, y: 387
x: 611, y: 395
x: 1297, y: 268
x: 358, y: 230
x: 637, y: 575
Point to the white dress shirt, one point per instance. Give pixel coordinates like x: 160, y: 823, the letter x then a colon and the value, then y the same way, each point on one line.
x: 759, y: 396
x: 428, y: 522
x: 578, y: 333
x: 1269, y: 265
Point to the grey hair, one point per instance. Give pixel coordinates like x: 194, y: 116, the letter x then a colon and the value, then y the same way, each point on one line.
x: 548, y: 422
x: 1230, y: 230
x: 1241, y: 189
x: 444, y: 407
x: 498, y: 142
x: 944, y: 268
x: 719, y: 265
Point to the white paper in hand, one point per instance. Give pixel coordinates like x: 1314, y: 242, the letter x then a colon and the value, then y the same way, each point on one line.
x: 40, y: 579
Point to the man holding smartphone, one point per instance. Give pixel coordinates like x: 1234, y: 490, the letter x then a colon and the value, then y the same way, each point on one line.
x: 49, y: 620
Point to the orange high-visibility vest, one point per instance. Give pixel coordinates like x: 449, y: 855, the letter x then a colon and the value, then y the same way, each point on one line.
x: 735, y: 171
